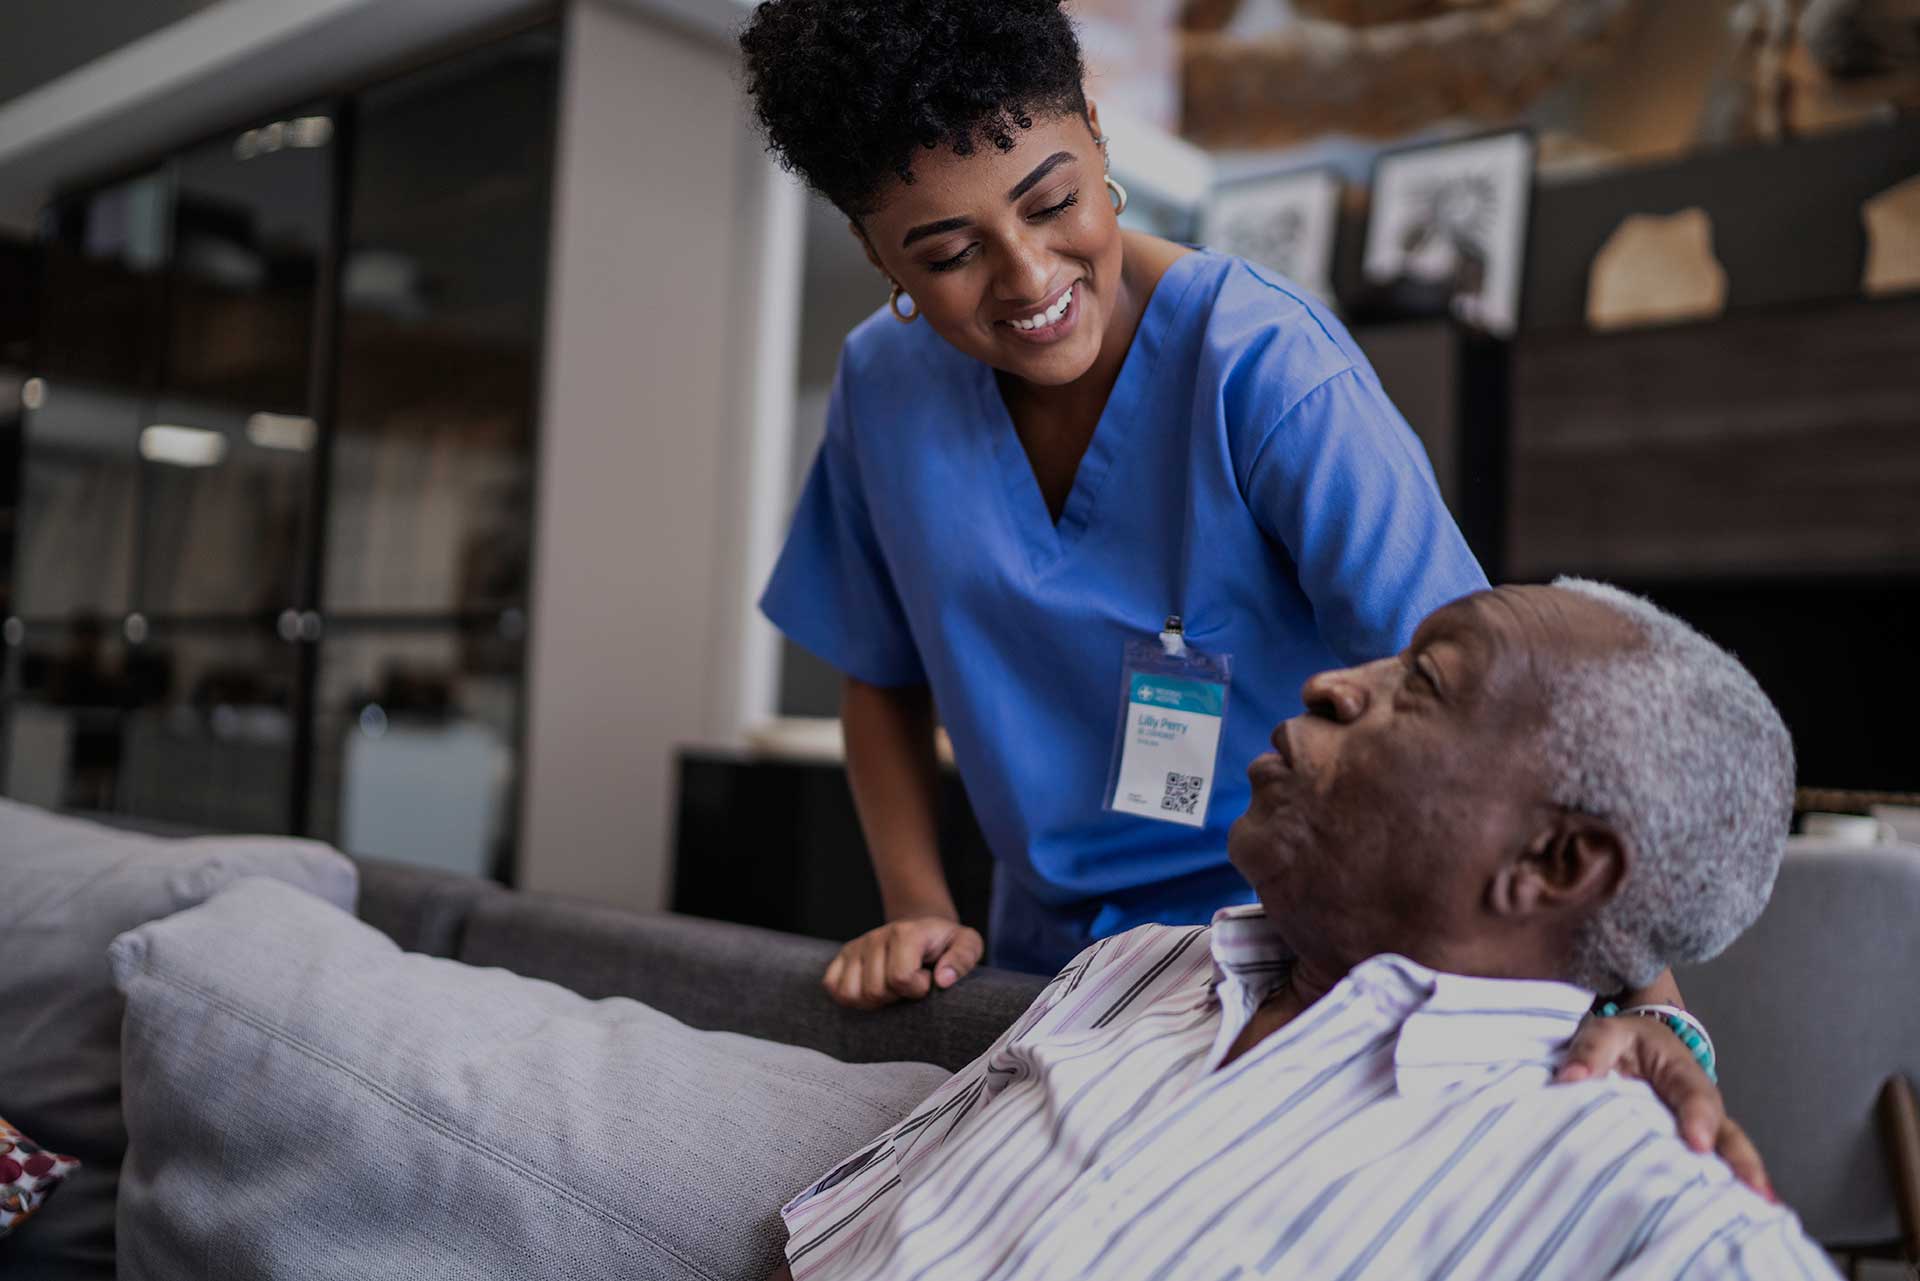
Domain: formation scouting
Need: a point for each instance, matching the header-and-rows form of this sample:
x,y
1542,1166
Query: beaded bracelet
x,y
1691,1031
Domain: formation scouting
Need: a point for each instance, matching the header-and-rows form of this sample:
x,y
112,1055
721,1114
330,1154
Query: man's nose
x,y
1337,695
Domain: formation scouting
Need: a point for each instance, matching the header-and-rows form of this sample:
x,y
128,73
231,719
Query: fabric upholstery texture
x,y
737,978
421,909
67,887
28,1176
1811,1010
304,1099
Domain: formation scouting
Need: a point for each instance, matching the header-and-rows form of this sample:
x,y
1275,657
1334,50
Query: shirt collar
x,y
1453,1029
1247,947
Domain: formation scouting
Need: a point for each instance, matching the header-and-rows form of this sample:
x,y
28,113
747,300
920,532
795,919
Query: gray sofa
x,y
359,1051
708,974
242,991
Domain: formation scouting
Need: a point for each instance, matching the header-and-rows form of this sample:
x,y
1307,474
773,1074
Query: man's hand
x,y
1647,1049
902,960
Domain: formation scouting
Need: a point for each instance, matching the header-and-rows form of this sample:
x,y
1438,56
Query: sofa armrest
x,y
736,978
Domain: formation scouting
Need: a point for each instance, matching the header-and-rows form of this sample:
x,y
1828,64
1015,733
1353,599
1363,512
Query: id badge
x,y
1173,701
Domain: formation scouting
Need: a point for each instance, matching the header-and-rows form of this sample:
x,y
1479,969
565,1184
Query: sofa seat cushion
x,y
67,887
305,1099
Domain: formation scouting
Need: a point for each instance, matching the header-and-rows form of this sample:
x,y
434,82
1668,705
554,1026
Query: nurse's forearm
x,y
894,774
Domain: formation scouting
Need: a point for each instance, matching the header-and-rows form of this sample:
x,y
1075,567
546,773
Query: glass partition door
x,y
428,528
271,562
166,483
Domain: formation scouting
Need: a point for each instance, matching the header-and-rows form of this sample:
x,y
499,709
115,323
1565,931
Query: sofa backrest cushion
x,y
304,1099
422,909
737,978
67,887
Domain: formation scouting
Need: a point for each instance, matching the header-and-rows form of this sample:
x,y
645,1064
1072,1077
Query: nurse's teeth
x,y
1041,320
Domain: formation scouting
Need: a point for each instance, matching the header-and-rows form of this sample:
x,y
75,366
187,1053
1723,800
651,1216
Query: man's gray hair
x,y
1674,743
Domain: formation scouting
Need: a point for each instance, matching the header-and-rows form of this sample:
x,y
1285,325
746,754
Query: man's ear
x,y
860,234
1572,862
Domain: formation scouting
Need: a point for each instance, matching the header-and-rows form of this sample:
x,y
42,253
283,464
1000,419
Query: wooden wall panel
x,y
1779,442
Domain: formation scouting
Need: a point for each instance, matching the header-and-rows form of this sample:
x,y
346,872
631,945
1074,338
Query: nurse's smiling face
x,y
1012,256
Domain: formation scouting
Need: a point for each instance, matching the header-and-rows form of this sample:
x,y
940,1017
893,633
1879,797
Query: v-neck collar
x,y
1046,540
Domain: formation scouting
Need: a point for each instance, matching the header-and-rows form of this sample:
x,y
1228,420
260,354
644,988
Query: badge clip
x,y
1173,703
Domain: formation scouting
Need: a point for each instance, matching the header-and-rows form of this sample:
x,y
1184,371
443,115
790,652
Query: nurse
x,y
1053,437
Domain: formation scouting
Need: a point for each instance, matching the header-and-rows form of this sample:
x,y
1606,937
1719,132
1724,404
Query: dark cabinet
x,y
1758,475
776,843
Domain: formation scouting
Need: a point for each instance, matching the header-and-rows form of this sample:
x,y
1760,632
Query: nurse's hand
x,y
902,960
1645,1049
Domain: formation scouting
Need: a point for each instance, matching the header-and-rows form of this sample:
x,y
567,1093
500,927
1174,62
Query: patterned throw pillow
x,y
28,1176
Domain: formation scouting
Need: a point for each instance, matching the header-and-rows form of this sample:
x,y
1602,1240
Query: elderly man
x,y
1554,792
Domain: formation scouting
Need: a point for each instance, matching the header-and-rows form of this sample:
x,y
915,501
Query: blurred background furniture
x,y
431,795
268,568
774,841
1815,1014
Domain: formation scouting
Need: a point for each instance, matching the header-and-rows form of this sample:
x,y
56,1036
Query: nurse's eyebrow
x,y
926,229
1020,189
1040,171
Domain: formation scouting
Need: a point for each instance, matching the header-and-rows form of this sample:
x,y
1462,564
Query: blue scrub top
x,y
1248,474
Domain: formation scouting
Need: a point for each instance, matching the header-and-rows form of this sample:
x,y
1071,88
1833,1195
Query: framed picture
x,y
1286,222
1448,228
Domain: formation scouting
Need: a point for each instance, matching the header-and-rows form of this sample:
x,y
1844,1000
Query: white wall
x,y
664,437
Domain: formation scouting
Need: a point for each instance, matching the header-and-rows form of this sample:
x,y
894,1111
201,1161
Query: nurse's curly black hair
x,y
849,91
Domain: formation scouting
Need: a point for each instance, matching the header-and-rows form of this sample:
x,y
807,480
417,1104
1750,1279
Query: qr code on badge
x,y
1183,794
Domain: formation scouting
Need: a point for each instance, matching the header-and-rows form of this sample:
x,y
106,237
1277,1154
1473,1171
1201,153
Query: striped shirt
x,y
1402,1126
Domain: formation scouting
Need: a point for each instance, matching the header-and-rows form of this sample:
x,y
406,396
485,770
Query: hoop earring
x,y
1118,194
904,317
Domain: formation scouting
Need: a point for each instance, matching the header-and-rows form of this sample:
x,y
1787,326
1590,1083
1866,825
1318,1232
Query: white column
x,y
752,517
667,393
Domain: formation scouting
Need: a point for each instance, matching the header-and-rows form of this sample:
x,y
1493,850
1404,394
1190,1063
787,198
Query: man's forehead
x,y
1530,625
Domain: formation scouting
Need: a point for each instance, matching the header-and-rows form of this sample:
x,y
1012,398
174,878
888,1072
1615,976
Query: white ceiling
x,y
204,71
45,41
226,60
